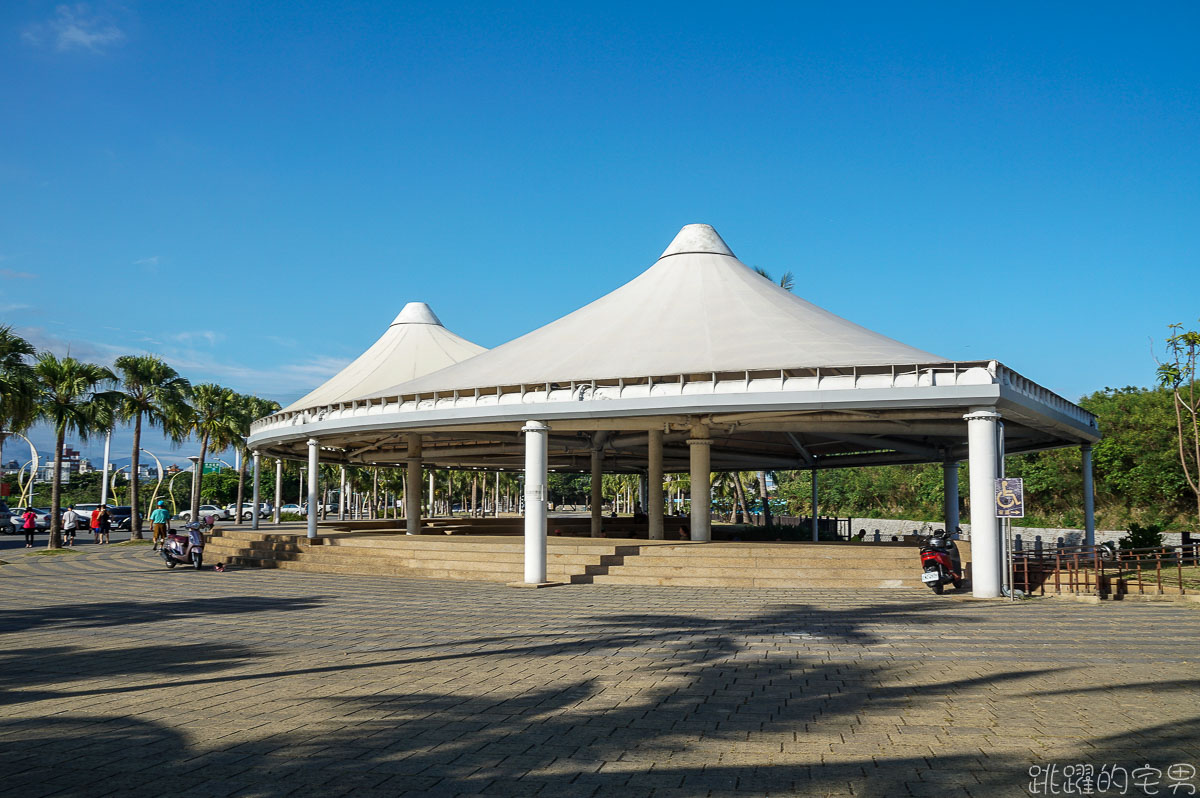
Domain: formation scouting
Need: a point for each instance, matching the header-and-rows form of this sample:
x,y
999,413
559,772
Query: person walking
x,y
105,524
94,525
70,522
29,527
158,520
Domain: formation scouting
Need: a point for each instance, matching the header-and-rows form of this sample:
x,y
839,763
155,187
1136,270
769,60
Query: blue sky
x,y
253,190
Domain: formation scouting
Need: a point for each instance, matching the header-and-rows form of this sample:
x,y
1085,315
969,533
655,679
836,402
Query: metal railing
x,y
1108,571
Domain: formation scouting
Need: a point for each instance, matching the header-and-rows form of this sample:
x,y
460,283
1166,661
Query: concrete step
x,y
696,581
576,559
637,568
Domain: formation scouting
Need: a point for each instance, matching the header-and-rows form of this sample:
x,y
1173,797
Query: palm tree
x,y
787,282
764,497
17,389
155,392
216,419
251,408
70,398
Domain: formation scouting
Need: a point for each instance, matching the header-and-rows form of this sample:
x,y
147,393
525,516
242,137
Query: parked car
x,y
248,510
121,518
5,514
42,521
294,509
206,510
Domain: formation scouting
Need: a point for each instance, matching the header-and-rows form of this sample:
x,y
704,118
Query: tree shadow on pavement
x,y
44,673
119,613
793,700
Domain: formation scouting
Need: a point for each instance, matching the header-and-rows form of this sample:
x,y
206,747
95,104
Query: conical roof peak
x,y
417,313
697,239
415,344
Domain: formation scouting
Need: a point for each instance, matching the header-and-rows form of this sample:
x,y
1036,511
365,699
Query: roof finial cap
x,y
417,313
697,238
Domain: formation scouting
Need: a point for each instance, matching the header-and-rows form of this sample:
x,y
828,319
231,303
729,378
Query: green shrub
x,y
1142,537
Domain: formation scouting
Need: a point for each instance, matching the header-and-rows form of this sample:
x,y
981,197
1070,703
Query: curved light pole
x,y
26,485
33,458
159,465
113,480
171,492
197,481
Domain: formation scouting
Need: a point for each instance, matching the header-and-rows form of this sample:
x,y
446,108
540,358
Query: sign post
x,y
1010,503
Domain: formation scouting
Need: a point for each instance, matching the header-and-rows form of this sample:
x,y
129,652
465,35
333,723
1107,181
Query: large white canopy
x,y
415,344
698,338
698,309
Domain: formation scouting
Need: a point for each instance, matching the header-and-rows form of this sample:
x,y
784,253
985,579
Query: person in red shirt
x,y
29,527
95,525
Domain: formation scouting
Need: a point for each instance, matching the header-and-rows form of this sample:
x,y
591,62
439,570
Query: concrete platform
x,y
572,560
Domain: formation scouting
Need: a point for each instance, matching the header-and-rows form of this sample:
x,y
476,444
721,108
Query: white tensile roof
x,y
698,309
415,344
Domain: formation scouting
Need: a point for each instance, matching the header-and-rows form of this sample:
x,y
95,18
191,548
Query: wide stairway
x,y
578,560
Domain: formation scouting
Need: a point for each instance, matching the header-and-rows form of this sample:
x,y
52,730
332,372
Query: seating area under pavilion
x,y
735,373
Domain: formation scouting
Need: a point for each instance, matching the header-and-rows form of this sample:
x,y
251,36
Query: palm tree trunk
x,y
199,478
762,494
740,493
56,492
135,517
241,492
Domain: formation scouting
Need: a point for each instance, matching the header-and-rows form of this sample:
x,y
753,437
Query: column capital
x,y
535,426
699,442
313,442
982,414
1085,447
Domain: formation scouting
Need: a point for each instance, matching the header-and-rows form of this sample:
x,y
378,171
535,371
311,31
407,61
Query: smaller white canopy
x,y
415,344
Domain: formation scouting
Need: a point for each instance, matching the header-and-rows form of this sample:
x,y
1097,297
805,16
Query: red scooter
x,y
187,548
940,563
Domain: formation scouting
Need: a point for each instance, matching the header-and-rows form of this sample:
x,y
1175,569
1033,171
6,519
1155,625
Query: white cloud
x,y
75,27
150,263
283,383
9,274
13,308
192,336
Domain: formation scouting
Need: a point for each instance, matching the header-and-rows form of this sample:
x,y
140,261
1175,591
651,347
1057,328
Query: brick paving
x,y
120,677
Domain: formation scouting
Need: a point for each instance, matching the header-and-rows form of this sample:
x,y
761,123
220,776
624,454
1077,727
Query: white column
x,y
496,498
278,487
597,497
950,495
816,525
341,493
104,482
536,462
654,492
412,486
983,458
1089,498
257,500
432,512
700,456
314,468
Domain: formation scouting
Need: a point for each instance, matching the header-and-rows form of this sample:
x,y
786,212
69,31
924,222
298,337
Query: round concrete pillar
x,y
536,462
700,456
983,453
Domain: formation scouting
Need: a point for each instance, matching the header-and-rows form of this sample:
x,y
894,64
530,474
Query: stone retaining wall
x,y
1070,537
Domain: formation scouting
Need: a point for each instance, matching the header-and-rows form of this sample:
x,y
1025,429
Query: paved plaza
x,y
123,678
